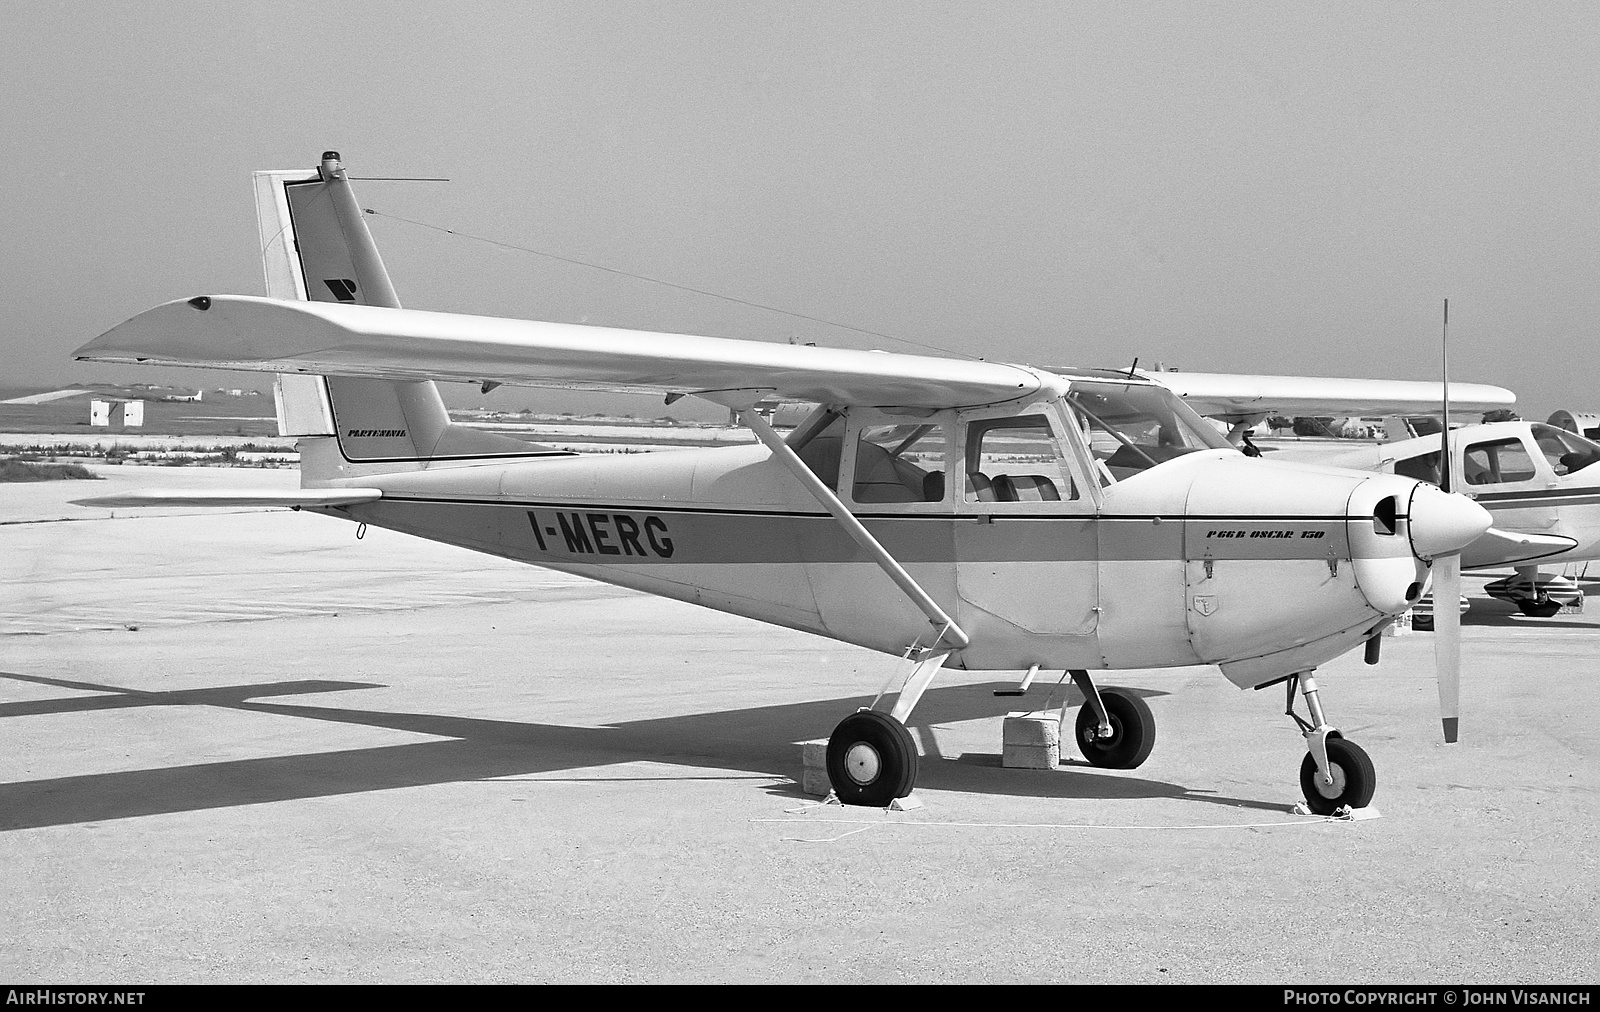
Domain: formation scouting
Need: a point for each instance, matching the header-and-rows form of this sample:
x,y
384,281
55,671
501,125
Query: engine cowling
x,y
1286,566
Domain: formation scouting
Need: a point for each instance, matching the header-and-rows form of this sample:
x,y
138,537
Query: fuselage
x,y
1209,557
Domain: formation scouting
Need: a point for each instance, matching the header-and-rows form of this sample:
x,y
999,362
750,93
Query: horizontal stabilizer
x,y
238,332
239,497
1496,547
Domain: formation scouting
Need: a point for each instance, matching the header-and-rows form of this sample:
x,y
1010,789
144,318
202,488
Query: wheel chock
x,y
1344,813
814,768
1031,741
814,778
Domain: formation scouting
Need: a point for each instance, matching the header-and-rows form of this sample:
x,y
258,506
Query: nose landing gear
x,y
1335,773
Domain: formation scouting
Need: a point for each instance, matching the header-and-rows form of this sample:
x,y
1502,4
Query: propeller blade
x,y
1447,572
1447,641
1445,481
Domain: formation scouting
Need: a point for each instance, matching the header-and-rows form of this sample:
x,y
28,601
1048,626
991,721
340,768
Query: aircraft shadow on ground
x,y
755,740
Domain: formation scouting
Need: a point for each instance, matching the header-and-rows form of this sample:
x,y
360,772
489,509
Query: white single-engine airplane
x,y
1525,473
957,513
1536,480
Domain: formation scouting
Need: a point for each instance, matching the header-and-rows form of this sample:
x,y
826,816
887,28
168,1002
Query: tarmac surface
x,y
245,746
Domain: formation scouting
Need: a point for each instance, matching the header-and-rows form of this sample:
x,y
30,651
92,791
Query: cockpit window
x,y
900,463
817,441
1496,462
1423,467
1133,427
1566,452
1015,460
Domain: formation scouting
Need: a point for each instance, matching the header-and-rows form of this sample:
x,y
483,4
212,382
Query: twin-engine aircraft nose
x,y
1444,522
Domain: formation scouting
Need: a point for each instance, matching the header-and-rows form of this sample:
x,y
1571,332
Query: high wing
x,y
238,332
1238,397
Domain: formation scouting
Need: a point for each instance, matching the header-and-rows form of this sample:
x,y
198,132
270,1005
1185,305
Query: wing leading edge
x,y
237,332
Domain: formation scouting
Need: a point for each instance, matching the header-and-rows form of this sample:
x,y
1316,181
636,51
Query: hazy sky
x,y
1225,187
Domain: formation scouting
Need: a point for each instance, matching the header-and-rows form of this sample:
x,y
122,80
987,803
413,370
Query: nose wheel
x,y
1335,773
1354,779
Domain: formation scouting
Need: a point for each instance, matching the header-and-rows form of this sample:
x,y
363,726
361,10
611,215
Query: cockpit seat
x,y
822,456
879,480
978,484
1577,460
1025,488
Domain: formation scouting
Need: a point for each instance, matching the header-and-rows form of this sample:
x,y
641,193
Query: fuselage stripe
x,y
967,514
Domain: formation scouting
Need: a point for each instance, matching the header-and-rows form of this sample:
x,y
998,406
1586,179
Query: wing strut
x,y
949,635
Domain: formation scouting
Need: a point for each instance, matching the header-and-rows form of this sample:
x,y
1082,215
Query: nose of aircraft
x,y
1444,522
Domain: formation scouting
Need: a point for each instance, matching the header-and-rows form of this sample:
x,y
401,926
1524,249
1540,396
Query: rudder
x,y
315,246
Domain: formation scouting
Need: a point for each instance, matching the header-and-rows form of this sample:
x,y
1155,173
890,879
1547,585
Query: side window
x,y
817,445
1423,467
1015,460
900,463
1503,460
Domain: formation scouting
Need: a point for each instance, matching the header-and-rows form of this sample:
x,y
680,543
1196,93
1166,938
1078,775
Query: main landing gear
x,y
1115,729
872,758
1336,773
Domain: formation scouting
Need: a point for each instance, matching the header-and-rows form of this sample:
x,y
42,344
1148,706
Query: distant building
x,y
128,414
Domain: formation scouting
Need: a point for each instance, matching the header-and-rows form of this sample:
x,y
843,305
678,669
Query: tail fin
x,y
315,246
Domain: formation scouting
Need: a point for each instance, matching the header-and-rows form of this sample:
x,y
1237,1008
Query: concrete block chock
x,y
1031,740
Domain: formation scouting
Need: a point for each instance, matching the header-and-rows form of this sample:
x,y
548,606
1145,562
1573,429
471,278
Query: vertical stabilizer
x,y
315,246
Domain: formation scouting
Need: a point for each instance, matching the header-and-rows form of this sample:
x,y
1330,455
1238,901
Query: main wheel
x,y
872,759
1354,779
1541,607
1133,732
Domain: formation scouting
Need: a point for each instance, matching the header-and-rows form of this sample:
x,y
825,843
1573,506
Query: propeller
x,y
1447,575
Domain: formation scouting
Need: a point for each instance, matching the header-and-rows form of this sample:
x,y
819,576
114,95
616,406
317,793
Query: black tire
x,y
1543,608
1422,623
1354,779
872,759
1133,732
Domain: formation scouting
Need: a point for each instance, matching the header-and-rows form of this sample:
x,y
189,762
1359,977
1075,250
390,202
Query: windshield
x,y
1566,452
1133,427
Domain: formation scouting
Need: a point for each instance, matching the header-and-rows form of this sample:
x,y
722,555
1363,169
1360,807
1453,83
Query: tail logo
x,y
343,289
